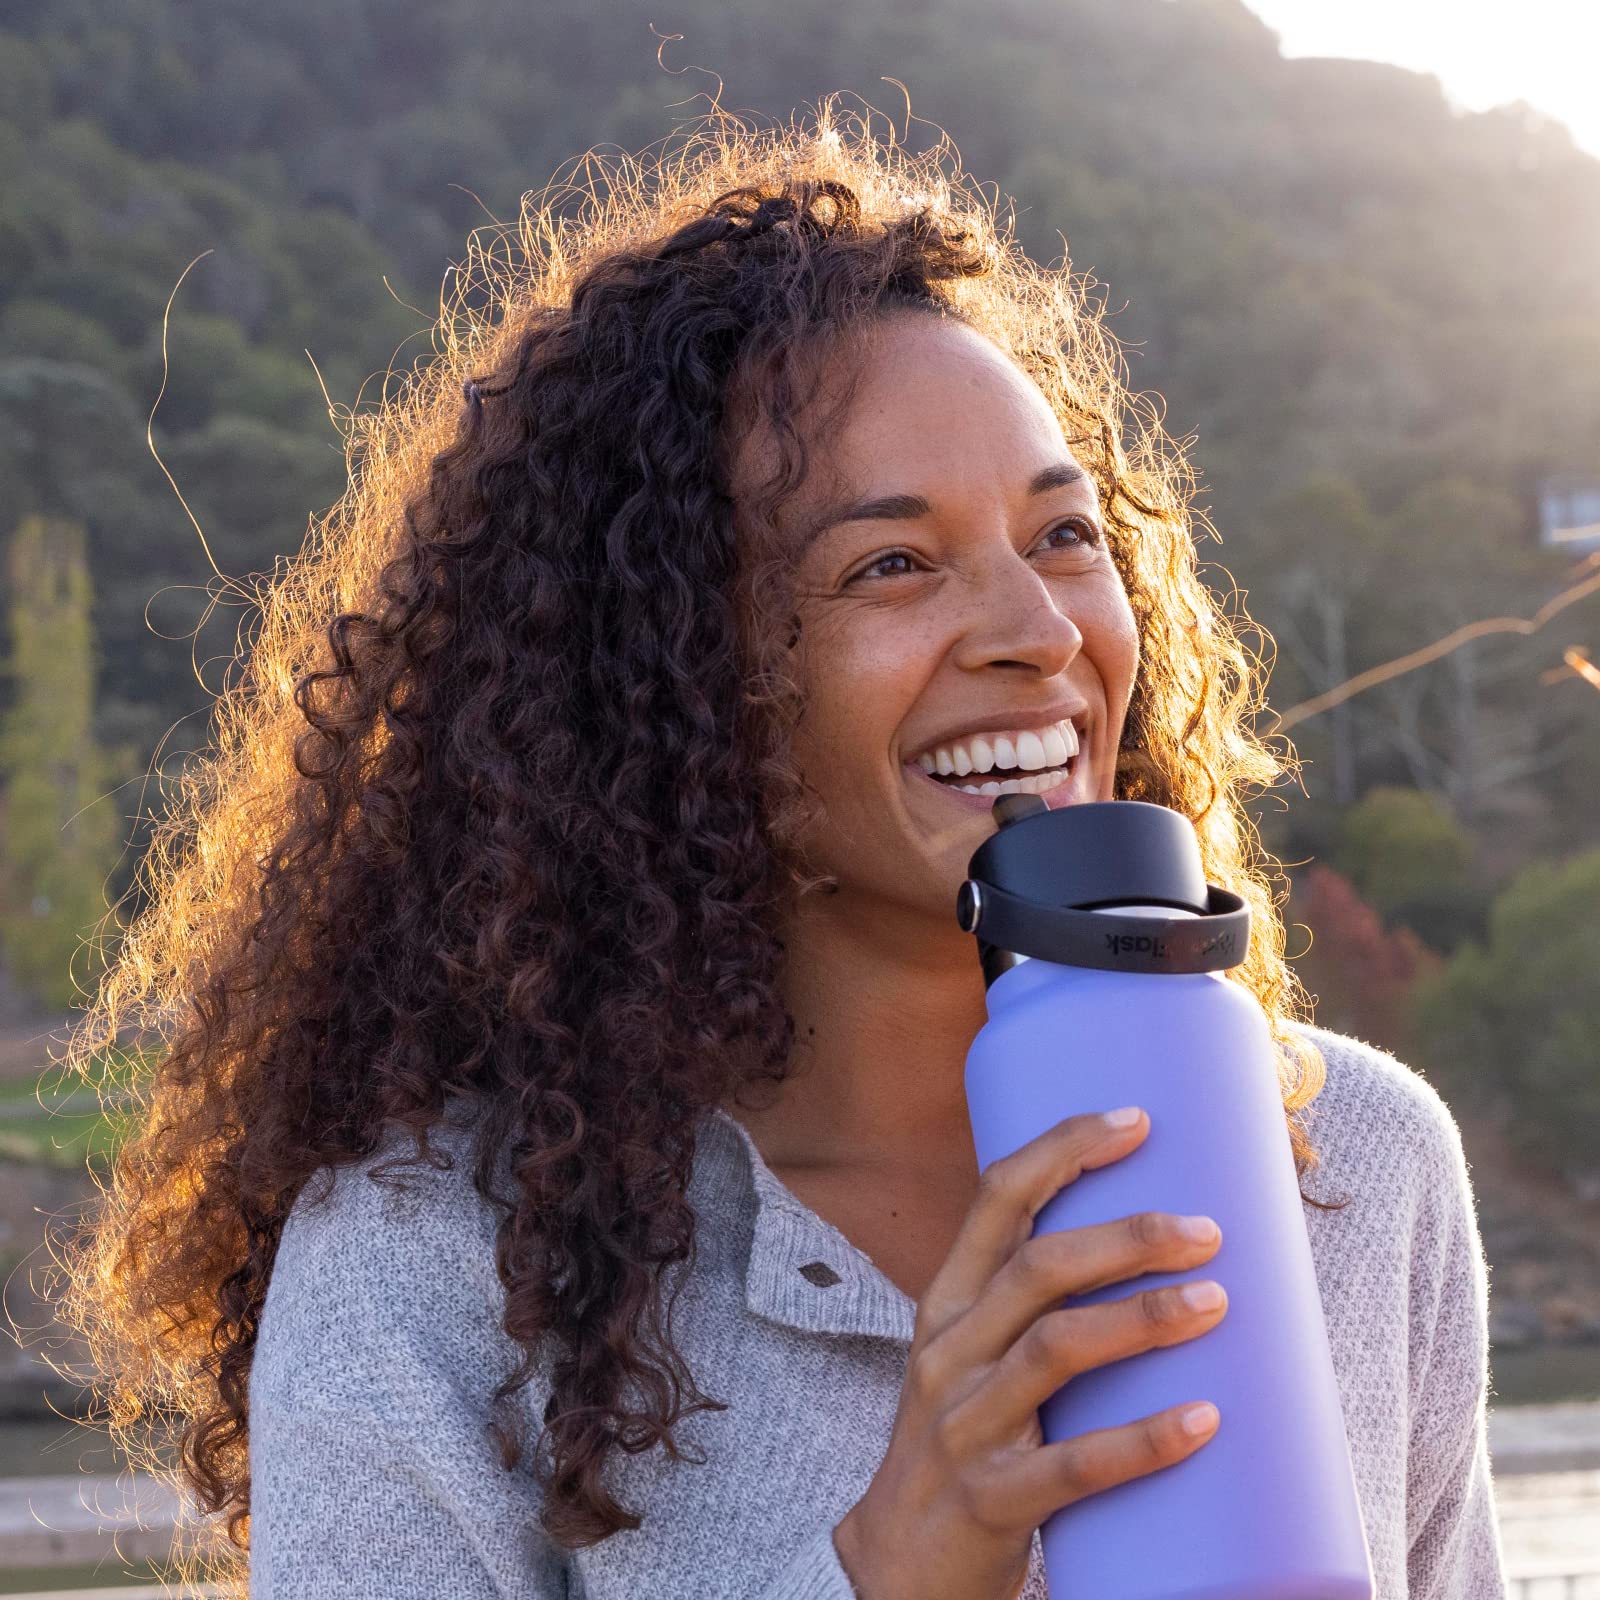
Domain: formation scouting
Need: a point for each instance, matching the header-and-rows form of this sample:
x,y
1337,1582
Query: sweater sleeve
x,y
1452,1531
373,1475
345,1507
349,1512
813,1572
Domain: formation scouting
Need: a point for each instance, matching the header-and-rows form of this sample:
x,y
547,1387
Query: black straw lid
x,y
1034,888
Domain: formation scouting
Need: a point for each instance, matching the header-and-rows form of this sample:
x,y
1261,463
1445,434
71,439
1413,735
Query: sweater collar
x,y
801,1271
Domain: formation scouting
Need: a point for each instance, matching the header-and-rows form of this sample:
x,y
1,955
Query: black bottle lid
x,y
1034,889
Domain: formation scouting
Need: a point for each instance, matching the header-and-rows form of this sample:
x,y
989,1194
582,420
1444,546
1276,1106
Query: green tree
x,y
1408,856
1292,249
60,834
1466,724
1513,1023
1322,560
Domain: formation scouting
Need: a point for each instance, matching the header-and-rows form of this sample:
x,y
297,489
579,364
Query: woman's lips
x,y
1064,794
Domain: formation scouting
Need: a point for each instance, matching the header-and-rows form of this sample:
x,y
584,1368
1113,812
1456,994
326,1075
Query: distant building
x,y
1569,515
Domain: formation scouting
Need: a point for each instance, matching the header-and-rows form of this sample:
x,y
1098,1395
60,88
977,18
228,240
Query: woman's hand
x,y
967,1478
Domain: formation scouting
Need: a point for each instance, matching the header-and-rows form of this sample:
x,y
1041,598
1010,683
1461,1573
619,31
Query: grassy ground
x,y
1543,1374
59,1119
107,1574
50,1447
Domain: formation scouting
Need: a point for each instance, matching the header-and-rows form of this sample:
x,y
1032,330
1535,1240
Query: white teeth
x,y
1026,750
1056,753
1030,752
1034,783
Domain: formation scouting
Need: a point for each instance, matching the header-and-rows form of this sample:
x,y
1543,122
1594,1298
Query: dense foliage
x,y
1380,318
1514,1018
1327,273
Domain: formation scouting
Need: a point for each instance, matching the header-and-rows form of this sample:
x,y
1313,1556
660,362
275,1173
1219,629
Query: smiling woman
x,y
582,849
998,620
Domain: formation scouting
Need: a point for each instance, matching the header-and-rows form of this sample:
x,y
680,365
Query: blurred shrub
x,y
60,827
1445,915
1361,973
1400,846
1513,1021
38,327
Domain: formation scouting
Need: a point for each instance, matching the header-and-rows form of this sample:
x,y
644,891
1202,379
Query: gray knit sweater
x,y
373,1477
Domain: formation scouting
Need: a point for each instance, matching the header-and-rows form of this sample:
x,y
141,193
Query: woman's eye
x,y
1091,532
873,565
1090,537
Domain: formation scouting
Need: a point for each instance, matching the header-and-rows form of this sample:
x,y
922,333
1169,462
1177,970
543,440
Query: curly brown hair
x,y
502,807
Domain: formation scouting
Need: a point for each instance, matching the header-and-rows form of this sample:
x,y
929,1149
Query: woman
x,y
556,1177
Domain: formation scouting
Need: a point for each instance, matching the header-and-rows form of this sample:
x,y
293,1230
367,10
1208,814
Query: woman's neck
x,y
885,1009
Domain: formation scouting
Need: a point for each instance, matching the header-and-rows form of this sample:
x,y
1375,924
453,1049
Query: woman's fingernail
x,y
1123,1117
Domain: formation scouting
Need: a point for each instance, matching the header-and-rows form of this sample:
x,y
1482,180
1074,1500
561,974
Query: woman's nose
x,y
1013,618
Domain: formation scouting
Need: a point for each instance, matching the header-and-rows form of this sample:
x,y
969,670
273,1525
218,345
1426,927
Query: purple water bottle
x,y
1103,948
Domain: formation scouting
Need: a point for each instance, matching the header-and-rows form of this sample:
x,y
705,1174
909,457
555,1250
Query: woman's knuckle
x,y
982,1501
1149,1229
1032,1260
1076,1474
995,1181
1061,1335
1160,1308
949,1436
1032,1350
925,1376
1155,1438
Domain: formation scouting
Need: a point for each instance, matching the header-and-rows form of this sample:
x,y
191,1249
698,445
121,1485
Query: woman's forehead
x,y
917,399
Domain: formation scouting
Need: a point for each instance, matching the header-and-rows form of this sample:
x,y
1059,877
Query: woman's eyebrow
x,y
904,507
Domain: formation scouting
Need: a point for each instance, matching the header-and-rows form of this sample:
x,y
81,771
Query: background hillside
x,y
1380,321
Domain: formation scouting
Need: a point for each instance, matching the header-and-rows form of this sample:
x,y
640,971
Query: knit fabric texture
x,y
374,1478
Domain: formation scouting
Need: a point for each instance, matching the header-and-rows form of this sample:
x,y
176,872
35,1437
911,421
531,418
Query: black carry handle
x,y
1076,937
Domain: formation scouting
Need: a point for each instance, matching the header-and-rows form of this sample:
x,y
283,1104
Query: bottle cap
x,y
1047,883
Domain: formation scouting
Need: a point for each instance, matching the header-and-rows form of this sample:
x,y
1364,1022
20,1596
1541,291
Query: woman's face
x,y
975,603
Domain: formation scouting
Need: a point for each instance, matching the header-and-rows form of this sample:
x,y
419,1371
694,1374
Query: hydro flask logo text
x,y
1159,949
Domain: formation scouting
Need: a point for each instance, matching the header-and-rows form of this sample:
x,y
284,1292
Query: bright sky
x,y
1546,52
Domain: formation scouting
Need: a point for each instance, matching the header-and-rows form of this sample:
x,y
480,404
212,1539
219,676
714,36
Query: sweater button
x,y
820,1273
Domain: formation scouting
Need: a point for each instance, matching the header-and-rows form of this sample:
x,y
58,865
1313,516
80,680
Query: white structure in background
x,y
1569,515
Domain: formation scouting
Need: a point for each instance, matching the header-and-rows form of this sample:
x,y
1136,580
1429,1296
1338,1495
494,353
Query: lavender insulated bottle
x,y
1104,948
